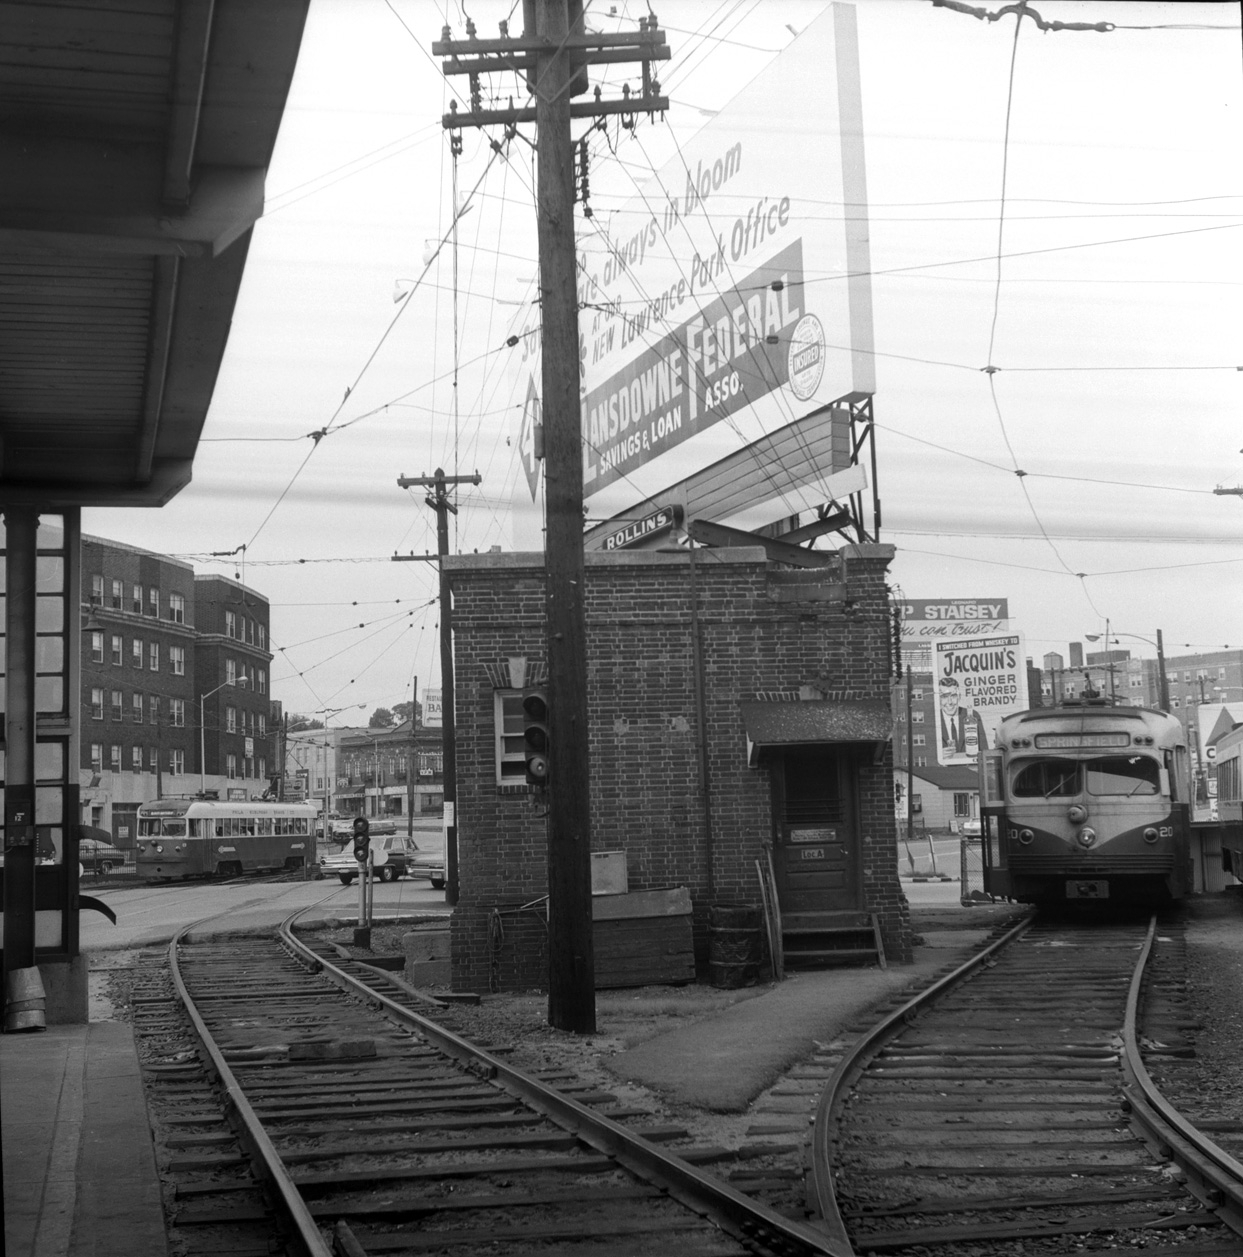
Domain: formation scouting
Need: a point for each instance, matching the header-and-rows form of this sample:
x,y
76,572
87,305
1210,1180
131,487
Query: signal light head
x,y
535,739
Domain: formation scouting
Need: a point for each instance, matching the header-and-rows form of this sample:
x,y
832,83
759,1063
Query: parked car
x,y
392,856
97,856
970,829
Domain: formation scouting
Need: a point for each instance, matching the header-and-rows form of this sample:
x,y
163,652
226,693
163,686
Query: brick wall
x,y
763,630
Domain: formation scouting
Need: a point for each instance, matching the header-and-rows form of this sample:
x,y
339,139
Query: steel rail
x,y
852,1064
252,1133
735,1213
1218,1175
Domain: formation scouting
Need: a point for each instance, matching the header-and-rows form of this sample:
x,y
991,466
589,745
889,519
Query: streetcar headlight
x,y
1150,834
1087,836
1077,813
158,847
1026,836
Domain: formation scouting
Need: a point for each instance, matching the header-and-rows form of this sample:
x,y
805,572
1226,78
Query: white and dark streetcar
x,y
1228,752
180,838
1087,802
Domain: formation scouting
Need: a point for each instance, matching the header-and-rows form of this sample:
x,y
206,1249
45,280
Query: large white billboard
x,y
925,621
978,681
731,296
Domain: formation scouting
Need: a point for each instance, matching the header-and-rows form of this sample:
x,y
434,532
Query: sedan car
x,y
97,856
392,856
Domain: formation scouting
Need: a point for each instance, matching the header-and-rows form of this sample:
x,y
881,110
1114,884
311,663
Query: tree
x,y
401,711
299,723
381,718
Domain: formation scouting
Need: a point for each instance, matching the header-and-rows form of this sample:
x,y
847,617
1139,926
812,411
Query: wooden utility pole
x,y
439,502
555,58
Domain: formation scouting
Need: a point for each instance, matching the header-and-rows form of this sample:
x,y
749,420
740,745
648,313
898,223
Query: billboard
x,y
432,713
928,620
731,296
978,681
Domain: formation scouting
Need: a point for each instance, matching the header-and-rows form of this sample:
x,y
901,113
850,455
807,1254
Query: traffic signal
x,y
535,736
362,838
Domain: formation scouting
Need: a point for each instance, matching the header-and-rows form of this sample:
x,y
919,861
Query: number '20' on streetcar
x,y
1087,802
217,838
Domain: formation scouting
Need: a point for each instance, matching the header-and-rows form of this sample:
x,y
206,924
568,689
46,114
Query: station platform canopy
x,y
135,140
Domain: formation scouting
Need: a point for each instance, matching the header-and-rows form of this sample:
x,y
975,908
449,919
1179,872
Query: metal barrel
x,y
734,945
25,1003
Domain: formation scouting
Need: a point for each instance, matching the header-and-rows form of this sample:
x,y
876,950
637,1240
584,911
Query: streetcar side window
x,y
1046,779
1129,775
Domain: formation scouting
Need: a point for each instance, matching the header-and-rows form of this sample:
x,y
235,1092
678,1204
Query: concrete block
x,y
66,992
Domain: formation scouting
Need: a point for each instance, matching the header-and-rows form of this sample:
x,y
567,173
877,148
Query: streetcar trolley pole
x,y
362,853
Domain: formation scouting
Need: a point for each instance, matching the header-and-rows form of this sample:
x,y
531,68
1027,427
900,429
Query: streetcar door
x,y
816,852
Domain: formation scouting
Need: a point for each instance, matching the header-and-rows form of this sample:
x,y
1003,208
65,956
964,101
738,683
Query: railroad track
x,y
1013,1111
306,1104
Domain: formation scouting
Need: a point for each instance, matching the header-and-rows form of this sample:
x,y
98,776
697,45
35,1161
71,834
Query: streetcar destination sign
x,y
1055,741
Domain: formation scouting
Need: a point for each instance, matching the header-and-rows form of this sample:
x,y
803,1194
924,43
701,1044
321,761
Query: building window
x,y
97,704
153,760
511,766
97,756
115,752
177,712
117,707
153,603
153,652
118,595
262,768
177,608
230,624
97,648
136,759
177,660
917,717
1174,703
261,679
261,723
962,803
97,591
118,655
230,765
153,709
136,601
230,671
136,707
263,638
918,739
917,696
921,761
250,631
136,652
230,720
176,761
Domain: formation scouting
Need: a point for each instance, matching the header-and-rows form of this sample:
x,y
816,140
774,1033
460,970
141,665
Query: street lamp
x,y
202,729
1163,681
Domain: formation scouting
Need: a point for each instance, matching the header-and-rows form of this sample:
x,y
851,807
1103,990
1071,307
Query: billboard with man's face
x,y
978,681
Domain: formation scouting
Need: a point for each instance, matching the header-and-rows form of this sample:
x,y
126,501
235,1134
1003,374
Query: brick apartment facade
x,y
818,642
155,639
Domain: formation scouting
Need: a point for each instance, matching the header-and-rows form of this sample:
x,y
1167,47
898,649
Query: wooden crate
x,y
643,938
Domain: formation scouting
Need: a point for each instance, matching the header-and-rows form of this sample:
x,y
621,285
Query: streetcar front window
x,y
1046,779
1129,775
175,829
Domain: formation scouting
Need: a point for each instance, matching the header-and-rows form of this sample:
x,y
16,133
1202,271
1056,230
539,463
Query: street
x,y
149,915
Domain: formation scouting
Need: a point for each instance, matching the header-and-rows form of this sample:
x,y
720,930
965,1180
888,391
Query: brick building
x,y
157,662
792,672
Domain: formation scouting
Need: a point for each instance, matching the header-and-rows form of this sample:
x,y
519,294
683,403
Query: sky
x,y
1063,206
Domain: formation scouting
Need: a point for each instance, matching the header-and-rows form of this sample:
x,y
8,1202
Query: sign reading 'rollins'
x,y
733,351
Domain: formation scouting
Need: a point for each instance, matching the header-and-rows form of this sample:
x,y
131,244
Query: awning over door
x,y
773,726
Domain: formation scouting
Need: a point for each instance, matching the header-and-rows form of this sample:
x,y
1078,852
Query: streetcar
x,y
1087,801
179,838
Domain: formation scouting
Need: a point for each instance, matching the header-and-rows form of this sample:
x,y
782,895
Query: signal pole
x,y
555,58
439,502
